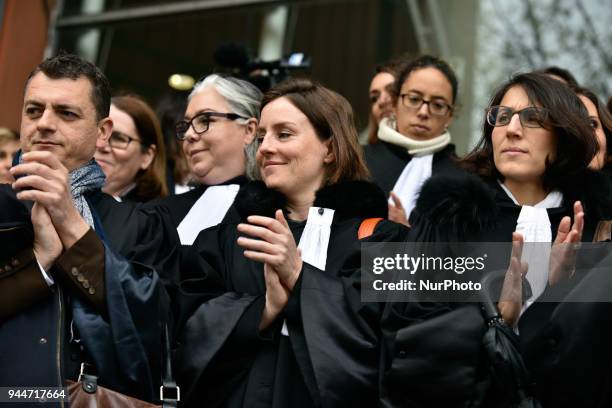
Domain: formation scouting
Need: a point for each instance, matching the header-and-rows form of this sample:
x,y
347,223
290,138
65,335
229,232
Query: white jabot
x,y
314,241
418,169
207,211
534,225
315,237
387,132
409,183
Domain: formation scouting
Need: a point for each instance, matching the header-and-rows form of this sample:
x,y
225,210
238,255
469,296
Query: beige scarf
x,y
387,132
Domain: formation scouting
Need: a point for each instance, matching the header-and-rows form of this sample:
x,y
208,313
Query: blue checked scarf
x,y
84,179
88,177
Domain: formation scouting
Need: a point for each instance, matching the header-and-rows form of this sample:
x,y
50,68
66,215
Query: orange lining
x,y
367,227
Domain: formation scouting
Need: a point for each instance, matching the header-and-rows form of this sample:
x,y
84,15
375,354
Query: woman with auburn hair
x,y
134,158
286,326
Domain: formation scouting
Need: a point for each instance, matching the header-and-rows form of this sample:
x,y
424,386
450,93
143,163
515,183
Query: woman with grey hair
x,y
220,123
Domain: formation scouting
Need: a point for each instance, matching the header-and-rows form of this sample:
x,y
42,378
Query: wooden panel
x,y
22,42
144,54
347,39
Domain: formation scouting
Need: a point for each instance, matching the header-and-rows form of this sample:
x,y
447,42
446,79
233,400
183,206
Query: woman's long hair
x,y
150,183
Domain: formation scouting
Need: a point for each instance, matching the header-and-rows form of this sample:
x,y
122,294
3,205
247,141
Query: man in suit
x,y
71,299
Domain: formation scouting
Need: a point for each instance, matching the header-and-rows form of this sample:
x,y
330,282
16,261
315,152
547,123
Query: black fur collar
x,y
360,199
453,207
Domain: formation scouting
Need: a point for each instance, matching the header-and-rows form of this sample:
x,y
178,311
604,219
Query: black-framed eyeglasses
x,y
435,106
201,122
120,140
530,117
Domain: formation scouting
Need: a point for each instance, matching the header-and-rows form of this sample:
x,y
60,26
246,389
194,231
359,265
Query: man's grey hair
x,y
244,99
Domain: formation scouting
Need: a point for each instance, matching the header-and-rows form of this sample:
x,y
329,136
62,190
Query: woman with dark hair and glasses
x,y
415,143
535,186
133,159
286,327
536,150
219,124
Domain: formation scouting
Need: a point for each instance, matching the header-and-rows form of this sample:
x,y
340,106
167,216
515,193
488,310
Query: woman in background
x,y
415,143
381,96
170,109
601,123
9,145
133,159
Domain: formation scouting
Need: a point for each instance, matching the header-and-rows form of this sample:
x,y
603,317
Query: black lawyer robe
x,y
141,234
386,162
177,206
565,345
330,357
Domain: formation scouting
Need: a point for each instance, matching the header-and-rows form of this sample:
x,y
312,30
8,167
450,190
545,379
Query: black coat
x,y
439,346
152,237
386,162
129,228
331,355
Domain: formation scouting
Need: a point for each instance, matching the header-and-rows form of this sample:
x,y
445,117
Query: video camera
x,y
235,60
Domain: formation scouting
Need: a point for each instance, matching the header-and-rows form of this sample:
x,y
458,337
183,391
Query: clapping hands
x,y
561,266
272,243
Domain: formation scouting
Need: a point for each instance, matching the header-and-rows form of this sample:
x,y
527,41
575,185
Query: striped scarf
x,y
88,177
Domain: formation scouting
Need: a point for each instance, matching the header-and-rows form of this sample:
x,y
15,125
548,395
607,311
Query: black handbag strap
x,y
169,391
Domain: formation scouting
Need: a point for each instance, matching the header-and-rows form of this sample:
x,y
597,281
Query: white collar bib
x,y
533,224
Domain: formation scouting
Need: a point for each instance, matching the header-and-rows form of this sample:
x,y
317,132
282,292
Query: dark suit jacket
x,y
115,307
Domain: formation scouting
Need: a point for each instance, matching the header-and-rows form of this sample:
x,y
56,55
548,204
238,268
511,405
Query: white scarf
x,y
534,225
387,132
207,211
315,241
418,170
409,183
